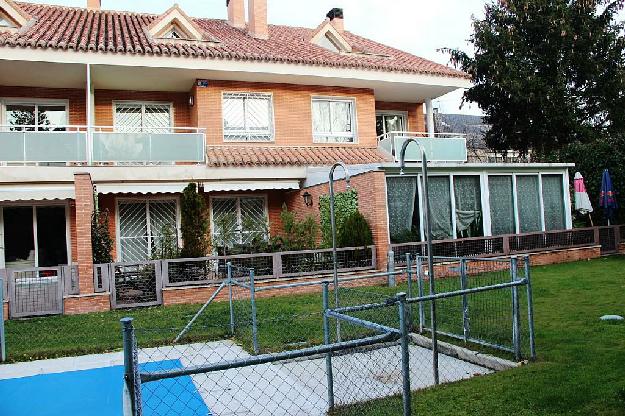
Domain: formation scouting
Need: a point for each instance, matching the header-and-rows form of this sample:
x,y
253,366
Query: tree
x,y
547,73
194,224
101,241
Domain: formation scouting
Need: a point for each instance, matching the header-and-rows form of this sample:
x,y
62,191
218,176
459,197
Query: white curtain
x,y
401,194
553,199
468,206
501,205
440,207
528,200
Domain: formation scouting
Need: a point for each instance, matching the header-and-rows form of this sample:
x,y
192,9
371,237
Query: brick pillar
x,y
371,189
84,210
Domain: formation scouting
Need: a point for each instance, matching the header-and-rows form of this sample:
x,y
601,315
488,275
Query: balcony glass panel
x,y
29,146
436,149
148,147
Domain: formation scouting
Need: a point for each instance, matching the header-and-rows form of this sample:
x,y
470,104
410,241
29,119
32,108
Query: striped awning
x,y
27,192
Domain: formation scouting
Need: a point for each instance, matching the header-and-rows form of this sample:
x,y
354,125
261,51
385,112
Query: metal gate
x,y
136,284
35,291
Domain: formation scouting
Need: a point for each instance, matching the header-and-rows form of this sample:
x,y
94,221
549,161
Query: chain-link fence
x,y
255,358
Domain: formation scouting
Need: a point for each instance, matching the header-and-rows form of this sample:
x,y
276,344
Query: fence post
x,y
516,316
433,325
277,265
326,340
3,347
390,268
617,236
409,284
506,245
254,322
229,280
420,292
405,353
132,383
530,308
465,299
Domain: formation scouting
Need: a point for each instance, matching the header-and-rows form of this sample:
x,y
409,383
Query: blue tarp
x,y
98,392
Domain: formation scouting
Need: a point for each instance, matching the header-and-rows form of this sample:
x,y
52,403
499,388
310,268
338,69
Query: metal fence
x,y
608,237
251,356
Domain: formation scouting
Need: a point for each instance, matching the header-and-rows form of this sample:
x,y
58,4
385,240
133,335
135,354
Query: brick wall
x,y
83,211
76,99
371,188
292,110
416,119
74,305
104,104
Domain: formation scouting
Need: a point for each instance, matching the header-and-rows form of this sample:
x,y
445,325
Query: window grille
x,y
139,117
248,117
333,120
141,224
238,220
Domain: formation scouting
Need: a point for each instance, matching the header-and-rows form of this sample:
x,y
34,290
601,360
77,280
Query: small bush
x,y
101,241
354,232
345,204
298,234
194,224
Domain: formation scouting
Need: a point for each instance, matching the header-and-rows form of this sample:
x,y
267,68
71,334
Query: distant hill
x,y
472,126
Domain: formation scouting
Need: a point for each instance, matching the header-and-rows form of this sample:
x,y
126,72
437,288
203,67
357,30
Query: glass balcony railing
x,y
148,145
100,145
33,144
440,148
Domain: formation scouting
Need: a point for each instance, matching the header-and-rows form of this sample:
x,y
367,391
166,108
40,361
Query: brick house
x,y
136,106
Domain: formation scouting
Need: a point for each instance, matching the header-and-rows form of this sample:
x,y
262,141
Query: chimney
x,y
336,19
94,4
257,25
236,13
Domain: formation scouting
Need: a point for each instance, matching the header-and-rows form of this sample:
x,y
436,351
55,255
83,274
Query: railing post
x,y
165,272
131,370
516,316
506,245
405,353
254,322
229,280
465,299
390,268
617,237
3,347
433,324
277,265
420,290
530,308
326,341
597,236
374,260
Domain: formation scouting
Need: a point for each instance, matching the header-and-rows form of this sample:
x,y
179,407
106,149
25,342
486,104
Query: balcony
x,y
440,148
100,145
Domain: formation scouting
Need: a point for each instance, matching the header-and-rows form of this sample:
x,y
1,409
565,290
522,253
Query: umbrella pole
x,y
590,217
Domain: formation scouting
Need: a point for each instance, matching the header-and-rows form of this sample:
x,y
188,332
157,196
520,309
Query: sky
x,y
420,27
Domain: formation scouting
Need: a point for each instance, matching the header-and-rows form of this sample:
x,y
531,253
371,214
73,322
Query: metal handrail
x,y
421,134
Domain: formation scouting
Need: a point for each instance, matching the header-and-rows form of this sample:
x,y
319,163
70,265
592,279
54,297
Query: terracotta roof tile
x,y
222,156
66,28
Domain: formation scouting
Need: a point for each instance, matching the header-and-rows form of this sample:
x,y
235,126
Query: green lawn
x,y
580,368
581,361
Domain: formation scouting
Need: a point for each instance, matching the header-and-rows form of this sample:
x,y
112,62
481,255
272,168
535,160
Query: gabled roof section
x,y
105,31
175,25
12,17
331,39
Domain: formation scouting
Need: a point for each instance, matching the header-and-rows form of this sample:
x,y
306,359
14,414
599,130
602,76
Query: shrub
x,y
298,234
345,204
194,224
166,245
101,241
354,232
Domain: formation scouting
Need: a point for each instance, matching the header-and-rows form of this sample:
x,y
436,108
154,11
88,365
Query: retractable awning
x,y
29,192
226,186
141,188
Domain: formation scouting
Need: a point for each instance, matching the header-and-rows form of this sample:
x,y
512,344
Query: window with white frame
x,y
239,220
248,117
140,117
553,201
468,204
387,122
333,120
142,224
35,115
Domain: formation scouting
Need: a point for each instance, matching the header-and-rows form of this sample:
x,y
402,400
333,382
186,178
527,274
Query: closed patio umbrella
x,y
582,201
607,199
